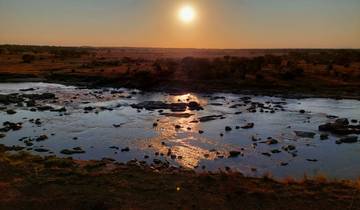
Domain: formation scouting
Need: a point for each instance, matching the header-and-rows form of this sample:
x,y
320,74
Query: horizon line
x,y
183,48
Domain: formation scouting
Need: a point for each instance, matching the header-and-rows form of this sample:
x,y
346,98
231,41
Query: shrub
x,y
259,77
28,58
144,78
329,67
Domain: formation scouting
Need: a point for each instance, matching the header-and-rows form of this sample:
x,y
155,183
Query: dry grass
x,y
67,184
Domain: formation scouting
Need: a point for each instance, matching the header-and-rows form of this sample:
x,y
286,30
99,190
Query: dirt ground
x,y
31,182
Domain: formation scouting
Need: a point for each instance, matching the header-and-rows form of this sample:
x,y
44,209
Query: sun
x,y
187,14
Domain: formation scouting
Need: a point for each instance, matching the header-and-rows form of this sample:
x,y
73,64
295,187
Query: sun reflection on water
x,y
180,136
185,98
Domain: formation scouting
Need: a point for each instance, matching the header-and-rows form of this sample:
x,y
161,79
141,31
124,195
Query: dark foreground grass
x,y
32,182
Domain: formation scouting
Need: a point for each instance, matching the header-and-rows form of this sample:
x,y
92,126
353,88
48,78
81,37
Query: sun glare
x,y
187,14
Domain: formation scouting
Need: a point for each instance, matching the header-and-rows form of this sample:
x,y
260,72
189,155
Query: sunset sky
x,y
156,23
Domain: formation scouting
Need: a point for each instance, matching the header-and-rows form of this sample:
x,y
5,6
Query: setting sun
x,y
187,14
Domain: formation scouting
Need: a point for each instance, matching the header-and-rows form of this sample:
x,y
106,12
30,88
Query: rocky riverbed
x,y
254,135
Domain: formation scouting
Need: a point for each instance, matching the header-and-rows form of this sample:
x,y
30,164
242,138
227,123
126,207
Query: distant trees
x,y
226,67
64,53
28,58
273,60
292,73
164,67
329,67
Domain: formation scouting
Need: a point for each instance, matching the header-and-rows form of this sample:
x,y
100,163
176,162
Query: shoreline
x,y
72,184
179,89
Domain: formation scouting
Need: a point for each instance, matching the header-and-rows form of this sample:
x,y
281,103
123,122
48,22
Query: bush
x,y
292,74
28,58
144,78
329,67
259,77
164,67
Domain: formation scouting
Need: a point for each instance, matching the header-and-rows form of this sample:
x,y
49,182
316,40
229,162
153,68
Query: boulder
x,y
233,154
179,115
41,138
10,111
210,118
275,151
289,147
305,134
11,126
347,139
43,96
342,121
126,149
76,150
175,107
41,150
341,126
248,126
14,148
44,108
271,141
193,105
324,136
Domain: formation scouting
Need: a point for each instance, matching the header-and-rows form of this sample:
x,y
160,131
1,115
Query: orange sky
x,y
155,23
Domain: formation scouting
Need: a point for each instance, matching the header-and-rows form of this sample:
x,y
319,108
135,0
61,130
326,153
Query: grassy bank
x,y
32,182
294,73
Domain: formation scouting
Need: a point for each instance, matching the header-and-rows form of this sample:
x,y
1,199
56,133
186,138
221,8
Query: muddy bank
x,y
33,182
288,90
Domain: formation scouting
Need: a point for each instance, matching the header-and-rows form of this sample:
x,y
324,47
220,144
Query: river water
x,y
96,134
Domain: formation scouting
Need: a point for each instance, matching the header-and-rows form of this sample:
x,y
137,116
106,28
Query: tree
x,y
28,58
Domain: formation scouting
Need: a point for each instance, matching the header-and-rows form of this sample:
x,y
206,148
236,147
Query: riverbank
x,y
287,73
32,182
181,87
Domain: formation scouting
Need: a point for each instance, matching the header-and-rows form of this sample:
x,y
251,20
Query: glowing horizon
x,y
209,24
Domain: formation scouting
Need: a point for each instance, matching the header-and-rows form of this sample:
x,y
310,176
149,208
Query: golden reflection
x,y
186,98
191,155
180,136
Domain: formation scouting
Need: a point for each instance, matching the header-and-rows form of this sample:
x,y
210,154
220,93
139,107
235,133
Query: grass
x,y
32,182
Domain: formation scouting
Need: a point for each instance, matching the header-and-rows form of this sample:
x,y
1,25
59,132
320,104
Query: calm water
x,y
95,132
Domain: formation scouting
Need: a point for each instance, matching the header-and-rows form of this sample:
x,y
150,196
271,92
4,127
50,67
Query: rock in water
x,y
193,105
305,134
233,154
342,121
324,136
10,111
271,141
76,150
247,126
348,139
42,138
210,118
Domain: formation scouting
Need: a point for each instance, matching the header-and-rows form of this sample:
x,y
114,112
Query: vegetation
x,y
32,182
28,58
330,73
